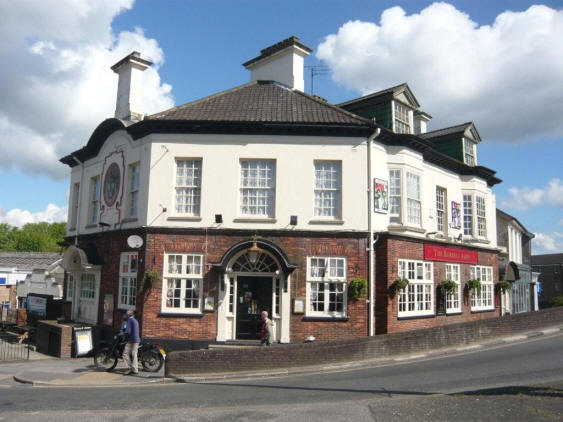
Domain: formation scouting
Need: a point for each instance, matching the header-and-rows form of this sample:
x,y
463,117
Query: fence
x,y
13,346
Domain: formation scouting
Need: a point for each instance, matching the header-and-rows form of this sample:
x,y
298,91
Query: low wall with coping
x,y
186,363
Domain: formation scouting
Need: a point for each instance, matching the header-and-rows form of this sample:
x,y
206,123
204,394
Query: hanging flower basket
x,y
502,286
447,286
475,284
357,288
149,278
399,284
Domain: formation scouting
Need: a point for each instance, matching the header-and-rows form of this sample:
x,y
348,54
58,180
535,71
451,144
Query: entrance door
x,y
254,295
87,306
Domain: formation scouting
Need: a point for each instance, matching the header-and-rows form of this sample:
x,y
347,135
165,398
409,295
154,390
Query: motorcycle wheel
x,y
104,359
152,361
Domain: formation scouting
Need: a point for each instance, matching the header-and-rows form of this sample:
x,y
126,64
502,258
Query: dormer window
x,y
402,118
469,152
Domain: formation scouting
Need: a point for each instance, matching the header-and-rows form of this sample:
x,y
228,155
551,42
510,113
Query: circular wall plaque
x,y
112,182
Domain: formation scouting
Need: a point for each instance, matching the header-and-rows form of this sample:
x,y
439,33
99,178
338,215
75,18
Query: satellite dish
x,y
134,241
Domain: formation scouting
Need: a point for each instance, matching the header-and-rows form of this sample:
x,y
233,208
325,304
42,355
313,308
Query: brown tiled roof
x,y
262,102
28,260
268,51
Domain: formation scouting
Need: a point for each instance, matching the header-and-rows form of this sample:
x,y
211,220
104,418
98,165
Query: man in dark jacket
x,y
132,346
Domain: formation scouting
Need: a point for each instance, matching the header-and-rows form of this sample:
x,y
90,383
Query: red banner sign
x,y
439,253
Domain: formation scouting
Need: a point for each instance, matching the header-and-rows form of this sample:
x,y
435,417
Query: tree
x,y
32,237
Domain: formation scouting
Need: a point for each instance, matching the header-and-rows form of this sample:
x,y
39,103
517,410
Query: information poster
x,y
83,338
37,305
380,196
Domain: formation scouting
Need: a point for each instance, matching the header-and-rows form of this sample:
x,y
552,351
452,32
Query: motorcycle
x,y
150,355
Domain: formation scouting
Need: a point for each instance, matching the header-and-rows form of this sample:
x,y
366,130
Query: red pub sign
x,y
439,253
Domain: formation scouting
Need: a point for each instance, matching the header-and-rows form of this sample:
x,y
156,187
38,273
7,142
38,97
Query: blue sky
x,y
504,73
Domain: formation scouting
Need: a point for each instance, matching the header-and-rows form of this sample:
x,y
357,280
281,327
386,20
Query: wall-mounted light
x,y
293,220
460,237
218,218
254,251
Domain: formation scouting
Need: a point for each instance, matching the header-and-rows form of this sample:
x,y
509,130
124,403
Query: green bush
x,y
475,284
558,301
357,288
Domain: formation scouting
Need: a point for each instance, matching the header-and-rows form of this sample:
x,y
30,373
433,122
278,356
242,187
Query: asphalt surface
x,y
515,379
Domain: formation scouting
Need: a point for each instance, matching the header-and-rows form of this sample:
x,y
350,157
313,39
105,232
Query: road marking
x,y
473,347
410,357
551,331
514,338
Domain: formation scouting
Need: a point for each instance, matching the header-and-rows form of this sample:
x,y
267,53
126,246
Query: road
x,y
521,381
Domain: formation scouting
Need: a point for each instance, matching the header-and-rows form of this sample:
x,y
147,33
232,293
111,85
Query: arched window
x,y
264,263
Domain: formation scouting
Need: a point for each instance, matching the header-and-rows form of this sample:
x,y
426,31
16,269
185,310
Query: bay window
x,y
474,215
413,199
395,196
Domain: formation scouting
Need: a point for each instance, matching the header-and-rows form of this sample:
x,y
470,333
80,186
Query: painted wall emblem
x,y
112,182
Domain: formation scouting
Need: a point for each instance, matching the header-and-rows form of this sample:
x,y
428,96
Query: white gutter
x,y
80,187
371,265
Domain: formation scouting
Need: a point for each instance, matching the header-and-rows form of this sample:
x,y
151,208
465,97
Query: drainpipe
x,y
80,187
371,266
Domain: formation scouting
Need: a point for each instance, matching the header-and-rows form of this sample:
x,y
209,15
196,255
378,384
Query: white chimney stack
x,y
420,120
282,62
129,87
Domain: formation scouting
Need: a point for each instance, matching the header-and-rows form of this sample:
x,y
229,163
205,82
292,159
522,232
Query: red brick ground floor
x,y
211,285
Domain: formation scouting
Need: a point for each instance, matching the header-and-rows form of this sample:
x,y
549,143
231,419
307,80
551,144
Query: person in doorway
x,y
266,336
132,344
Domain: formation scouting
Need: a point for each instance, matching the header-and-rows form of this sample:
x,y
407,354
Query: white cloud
x,y
547,243
56,83
17,217
526,198
501,76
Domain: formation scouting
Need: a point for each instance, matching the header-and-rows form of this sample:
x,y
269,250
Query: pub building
x,y
201,216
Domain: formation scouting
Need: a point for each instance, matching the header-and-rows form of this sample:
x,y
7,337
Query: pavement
x,y
44,370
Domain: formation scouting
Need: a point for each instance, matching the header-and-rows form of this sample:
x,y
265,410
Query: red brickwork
x,y
213,246
388,252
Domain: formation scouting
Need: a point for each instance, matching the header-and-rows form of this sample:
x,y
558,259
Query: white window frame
x,y
453,299
187,268
94,208
395,199
441,210
401,118
328,190
257,192
475,214
74,206
417,299
469,156
484,300
328,273
134,176
414,200
187,186
128,270
70,284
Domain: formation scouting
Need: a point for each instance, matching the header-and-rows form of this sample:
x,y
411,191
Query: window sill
x,y
407,317
333,222
91,226
402,228
477,240
130,220
255,220
125,308
451,313
165,314
480,311
184,218
325,319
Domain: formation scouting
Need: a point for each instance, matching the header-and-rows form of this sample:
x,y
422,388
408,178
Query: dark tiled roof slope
x,y
262,101
28,260
446,131
547,259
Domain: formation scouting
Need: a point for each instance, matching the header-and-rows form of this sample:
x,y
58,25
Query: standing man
x,y
132,338
266,335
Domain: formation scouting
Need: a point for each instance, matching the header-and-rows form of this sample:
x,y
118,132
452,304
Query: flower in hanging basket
x,y
475,284
149,278
399,284
502,286
357,288
447,286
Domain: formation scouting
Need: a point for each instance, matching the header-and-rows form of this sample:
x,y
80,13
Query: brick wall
x,y
388,252
54,339
386,345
